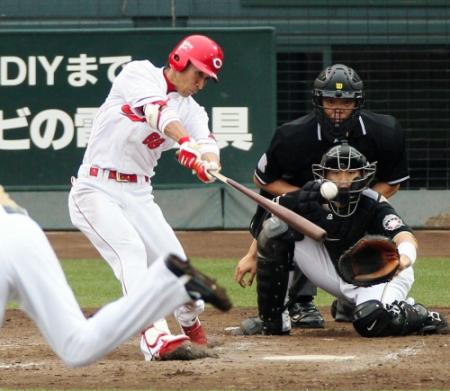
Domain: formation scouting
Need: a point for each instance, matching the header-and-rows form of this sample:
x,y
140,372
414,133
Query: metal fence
x,y
411,83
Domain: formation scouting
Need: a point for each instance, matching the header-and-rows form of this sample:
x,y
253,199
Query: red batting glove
x,y
202,167
189,152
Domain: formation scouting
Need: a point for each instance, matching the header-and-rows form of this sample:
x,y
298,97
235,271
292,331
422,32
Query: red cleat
x,y
178,349
196,333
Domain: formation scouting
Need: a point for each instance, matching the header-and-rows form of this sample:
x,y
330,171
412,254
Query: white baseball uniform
x,y
314,260
31,274
111,201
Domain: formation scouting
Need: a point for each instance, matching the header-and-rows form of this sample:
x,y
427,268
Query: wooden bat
x,y
294,220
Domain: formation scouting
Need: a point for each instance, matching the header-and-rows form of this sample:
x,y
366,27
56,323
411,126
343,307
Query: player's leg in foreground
x,y
38,283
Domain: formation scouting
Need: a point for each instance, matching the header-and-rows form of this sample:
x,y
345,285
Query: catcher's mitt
x,y
372,260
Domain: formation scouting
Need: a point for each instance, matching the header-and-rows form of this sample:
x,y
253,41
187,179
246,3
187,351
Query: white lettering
x,y
116,63
50,119
32,71
230,125
12,124
5,80
50,68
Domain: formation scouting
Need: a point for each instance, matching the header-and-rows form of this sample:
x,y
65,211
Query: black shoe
x,y
341,312
306,316
434,324
199,285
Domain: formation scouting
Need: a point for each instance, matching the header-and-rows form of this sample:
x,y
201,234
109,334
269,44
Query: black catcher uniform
x,y
381,309
298,144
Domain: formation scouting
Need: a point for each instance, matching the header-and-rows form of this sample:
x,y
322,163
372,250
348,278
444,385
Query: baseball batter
x,y
382,309
149,110
31,275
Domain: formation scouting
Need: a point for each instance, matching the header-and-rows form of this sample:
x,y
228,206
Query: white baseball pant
x,y
31,274
313,259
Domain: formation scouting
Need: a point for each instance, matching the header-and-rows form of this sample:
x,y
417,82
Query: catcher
x,y
374,273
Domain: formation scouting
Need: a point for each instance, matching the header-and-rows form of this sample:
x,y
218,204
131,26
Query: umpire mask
x,y
345,158
337,82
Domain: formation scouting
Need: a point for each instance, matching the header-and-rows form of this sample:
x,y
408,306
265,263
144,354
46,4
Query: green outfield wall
x,y
52,83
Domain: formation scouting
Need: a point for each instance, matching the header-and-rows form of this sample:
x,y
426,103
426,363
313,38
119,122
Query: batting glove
x,y
189,152
202,168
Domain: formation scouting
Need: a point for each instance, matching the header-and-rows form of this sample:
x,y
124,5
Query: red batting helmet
x,y
201,51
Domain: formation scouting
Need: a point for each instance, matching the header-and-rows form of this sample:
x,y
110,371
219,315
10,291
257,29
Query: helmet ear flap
x,y
177,62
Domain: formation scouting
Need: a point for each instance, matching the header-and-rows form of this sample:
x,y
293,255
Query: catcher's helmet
x,y
201,51
339,82
343,157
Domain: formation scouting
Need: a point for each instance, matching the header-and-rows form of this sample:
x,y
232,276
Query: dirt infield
x,y
333,358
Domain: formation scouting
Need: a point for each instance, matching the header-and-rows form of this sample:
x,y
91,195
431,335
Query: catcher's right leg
x,y
272,275
373,319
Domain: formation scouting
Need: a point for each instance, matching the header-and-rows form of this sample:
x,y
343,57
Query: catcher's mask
x,y
338,82
343,157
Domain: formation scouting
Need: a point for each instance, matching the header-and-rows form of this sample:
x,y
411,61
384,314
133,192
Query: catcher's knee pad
x,y
272,275
370,319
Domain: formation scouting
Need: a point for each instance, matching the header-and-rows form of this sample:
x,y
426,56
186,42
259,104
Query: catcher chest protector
x,y
272,275
373,319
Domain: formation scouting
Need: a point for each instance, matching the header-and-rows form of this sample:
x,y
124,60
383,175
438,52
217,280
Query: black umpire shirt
x,y
298,144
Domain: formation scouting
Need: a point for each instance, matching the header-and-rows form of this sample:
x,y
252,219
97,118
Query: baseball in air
x,y
328,190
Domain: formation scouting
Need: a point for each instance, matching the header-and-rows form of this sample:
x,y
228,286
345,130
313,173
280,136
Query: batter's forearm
x,y
175,130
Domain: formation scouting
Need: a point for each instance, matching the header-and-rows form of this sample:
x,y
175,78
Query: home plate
x,y
309,357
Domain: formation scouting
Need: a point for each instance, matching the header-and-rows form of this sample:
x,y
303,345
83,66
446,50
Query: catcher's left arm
x,y
375,259
407,249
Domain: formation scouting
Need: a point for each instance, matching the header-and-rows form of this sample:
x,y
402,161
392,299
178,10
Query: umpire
x,y
338,115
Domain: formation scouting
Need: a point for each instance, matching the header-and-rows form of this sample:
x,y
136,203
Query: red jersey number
x,y
153,140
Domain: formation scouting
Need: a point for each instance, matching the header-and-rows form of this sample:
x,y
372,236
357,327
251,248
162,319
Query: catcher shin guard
x,y
373,319
272,275
408,319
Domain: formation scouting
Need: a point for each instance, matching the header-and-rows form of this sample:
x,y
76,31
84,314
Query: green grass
x,y
94,283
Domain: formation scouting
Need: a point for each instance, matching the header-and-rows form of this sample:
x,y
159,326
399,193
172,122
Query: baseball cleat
x,y
306,316
198,285
178,349
341,311
196,333
435,324
164,346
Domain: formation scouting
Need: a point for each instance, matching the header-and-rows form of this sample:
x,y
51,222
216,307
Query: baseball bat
x,y
294,220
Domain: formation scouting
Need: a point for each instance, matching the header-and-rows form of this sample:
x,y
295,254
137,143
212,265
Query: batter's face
x,y
190,81
338,110
343,179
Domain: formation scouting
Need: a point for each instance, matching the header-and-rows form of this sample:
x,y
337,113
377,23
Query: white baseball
x,y
328,190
